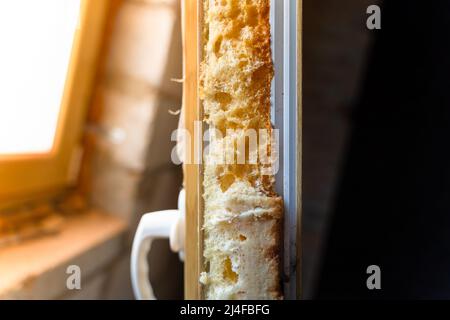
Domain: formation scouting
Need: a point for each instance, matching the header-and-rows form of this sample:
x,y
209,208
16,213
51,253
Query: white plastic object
x,y
155,225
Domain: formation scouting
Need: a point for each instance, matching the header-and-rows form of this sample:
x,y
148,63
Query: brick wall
x,y
127,168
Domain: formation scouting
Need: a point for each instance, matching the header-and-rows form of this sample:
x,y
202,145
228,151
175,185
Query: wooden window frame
x,y
191,33
24,176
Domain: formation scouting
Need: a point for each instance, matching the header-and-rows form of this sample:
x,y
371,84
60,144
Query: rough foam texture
x,y
243,214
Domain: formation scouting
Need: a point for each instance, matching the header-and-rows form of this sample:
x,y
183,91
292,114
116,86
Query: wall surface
x,y
336,43
127,169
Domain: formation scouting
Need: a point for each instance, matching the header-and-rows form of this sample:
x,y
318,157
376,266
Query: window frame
x,y
23,176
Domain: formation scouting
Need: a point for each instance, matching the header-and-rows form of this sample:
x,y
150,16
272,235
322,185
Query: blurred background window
x,y
48,62
37,40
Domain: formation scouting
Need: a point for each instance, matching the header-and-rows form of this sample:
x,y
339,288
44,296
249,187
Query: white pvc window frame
x,y
285,111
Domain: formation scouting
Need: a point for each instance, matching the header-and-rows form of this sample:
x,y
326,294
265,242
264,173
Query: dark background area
x,y
376,159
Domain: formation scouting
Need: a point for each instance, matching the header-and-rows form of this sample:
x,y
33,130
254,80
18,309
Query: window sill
x,y
36,269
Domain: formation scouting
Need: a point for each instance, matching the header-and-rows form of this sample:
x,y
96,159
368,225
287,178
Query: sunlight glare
x,y
36,45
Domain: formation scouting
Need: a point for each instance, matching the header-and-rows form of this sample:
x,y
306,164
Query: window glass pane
x,y
36,39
